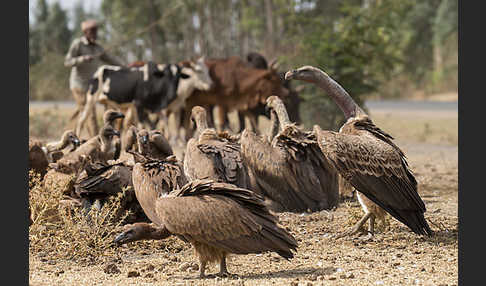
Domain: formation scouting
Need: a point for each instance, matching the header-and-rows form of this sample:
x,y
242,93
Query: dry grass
x,y
65,232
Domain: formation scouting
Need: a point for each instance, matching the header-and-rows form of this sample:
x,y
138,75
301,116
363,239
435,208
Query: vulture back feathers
x,y
291,170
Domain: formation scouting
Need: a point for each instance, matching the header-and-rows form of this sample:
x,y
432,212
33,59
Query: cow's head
x,y
268,83
199,77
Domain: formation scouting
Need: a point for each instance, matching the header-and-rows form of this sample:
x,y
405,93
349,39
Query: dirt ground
x,y
394,256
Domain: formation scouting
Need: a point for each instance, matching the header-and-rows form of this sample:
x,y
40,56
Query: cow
x,y
236,86
199,79
150,87
291,102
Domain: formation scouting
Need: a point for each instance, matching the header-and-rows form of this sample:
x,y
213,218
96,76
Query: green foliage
x,y
359,51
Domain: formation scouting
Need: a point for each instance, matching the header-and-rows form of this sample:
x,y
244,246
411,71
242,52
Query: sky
x,y
89,5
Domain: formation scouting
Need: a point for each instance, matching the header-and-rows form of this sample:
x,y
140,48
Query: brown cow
x,y
236,86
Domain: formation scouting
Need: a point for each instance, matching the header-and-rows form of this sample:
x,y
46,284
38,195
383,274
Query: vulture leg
x,y
202,269
223,271
357,226
371,229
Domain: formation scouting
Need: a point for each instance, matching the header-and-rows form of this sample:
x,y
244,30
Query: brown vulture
x,y
40,155
366,156
213,155
99,148
290,171
216,218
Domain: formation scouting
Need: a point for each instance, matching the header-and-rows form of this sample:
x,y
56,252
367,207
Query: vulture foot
x,y
356,228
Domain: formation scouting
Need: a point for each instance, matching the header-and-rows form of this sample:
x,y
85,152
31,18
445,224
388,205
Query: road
x,y
373,105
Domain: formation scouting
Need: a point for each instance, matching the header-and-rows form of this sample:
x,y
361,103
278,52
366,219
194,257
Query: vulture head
x,y
111,115
199,118
139,231
70,137
107,132
130,233
305,73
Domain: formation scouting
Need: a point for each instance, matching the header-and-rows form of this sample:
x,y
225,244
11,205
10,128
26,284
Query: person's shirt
x,y
81,69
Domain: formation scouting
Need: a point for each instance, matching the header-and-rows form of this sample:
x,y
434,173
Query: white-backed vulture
x,y
38,161
213,155
40,154
155,178
98,148
109,118
290,171
153,143
367,157
99,181
217,219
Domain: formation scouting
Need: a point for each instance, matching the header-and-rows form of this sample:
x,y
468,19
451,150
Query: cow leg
x,y
241,122
250,121
141,116
87,109
130,117
220,116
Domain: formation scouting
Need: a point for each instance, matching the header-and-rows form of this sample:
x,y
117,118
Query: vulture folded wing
x,y
161,143
378,170
292,173
102,180
224,216
227,161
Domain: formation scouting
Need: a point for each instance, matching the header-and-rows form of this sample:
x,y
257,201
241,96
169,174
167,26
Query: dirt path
x,y
395,256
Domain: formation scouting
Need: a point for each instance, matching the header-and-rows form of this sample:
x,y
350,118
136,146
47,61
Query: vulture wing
x,y
224,216
161,143
227,161
102,180
377,168
292,171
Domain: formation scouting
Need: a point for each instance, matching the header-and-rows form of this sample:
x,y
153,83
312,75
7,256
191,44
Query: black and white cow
x,y
150,87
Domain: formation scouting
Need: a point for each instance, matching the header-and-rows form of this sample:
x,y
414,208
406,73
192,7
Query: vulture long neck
x,y
274,126
201,124
282,115
338,94
150,232
59,145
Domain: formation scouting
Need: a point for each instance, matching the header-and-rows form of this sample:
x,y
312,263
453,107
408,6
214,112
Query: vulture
x,y
367,158
153,143
99,181
41,155
109,118
290,171
99,148
216,218
214,155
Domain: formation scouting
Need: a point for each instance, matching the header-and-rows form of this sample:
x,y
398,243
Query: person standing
x,y
84,57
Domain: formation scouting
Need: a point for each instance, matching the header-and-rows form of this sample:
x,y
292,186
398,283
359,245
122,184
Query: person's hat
x,y
88,24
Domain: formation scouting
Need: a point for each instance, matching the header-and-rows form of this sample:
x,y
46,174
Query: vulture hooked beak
x,y
290,74
76,142
268,109
123,237
145,139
